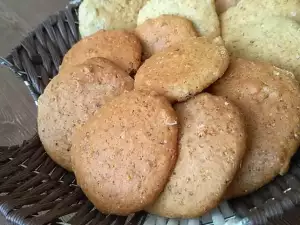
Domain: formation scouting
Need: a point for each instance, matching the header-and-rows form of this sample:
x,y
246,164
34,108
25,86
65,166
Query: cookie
x,y
124,155
269,99
121,47
270,39
255,10
162,32
201,12
71,98
212,142
183,69
108,15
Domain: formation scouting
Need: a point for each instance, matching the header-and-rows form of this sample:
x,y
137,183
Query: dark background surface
x,y
17,110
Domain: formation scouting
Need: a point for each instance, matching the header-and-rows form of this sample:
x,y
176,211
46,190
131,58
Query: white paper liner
x,y
222,215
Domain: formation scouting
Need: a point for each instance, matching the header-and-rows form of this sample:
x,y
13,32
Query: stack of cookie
x,y
160,118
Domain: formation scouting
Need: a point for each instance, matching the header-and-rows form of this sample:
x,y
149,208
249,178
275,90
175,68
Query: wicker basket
x,y
35,191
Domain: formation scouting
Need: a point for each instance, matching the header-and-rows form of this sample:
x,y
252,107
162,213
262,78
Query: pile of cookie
x,y
161,116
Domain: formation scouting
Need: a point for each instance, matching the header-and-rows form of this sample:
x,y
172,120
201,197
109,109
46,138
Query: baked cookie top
x,y
212,142
159,33
121,47
244,11
271,39
269,99
201,12
183,69
108,15
71,98
124,155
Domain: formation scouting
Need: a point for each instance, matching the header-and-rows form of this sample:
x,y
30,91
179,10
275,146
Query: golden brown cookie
x,y
108,15
124,155
162,32
183,69
71,98
121,47
269,99
212,142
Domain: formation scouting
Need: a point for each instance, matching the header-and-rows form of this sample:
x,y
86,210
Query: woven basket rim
x,y
36,61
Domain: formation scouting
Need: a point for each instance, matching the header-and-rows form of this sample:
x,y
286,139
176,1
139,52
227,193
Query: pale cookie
x,y
212,142
124,155
162,32
121,47
71,98
254,10
183,69
201,12
97,15
271,39
269,99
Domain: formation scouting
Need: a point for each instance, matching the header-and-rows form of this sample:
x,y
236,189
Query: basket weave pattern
x,y
35,191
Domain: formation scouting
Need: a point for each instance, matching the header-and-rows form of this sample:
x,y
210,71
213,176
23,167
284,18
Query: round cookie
x,y
162,32
183,69
71,98
269,99
124,155
244,11
212,142
201,12
121,47
102,14
262,39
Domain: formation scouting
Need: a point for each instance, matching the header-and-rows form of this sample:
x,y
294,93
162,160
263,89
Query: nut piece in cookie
x,y
71,98
125,154
184,69
212,142
269,99
162,32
